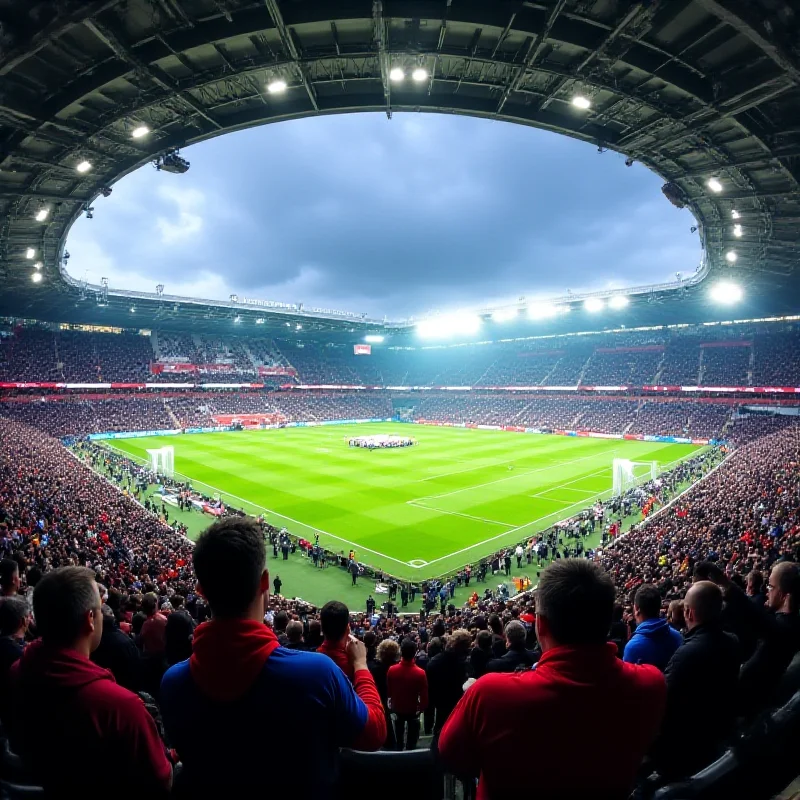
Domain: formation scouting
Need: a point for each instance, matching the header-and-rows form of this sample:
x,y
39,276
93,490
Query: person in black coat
x,y
516,655
15,615
118,653
695,732
480,655
447,674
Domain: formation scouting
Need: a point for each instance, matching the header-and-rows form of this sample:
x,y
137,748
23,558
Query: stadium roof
x,y
698,90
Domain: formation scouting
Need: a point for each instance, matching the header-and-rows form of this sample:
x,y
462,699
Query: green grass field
x,y
415,512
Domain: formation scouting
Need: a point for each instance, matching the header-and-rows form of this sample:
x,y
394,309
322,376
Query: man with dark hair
x,y
154,631
335,620
15,615
577,685
517,654
755,588
294,635
118,653
705,665
9,577
447,674
56,688
653,641
408,695
481,654
242,695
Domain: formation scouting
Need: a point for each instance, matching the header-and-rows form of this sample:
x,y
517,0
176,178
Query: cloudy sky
x,y
395,218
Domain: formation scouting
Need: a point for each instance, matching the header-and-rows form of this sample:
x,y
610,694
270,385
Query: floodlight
x,y
298,327
277,87
373,339
38,265
30,253
259,321
397,74
579,101
133,309
41,214
36,277
594,304
419,75
737,231
731,256
714,185
542,310
504,314
142,130
463,323
237,318
735,214
618,301
726,293
84,166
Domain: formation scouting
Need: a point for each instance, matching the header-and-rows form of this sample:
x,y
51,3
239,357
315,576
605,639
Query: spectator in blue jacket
x,y
653,641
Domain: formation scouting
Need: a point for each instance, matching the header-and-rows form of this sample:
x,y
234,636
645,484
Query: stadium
x,y
409,545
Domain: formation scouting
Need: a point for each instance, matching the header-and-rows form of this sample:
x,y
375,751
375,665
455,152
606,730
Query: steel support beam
x,y
380,33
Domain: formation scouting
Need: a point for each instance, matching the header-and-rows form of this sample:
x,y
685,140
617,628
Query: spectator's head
x,y
294,632
150,603
483,641
783,589
66,604
229,562
516,634
755,582
280,621
575,600
388,652
675,615
408,649
459,641
335,619
33,576
9,577
15,615
495,624
702,604
646,603
435,646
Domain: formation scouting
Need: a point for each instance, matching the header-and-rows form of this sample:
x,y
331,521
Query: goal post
x,y
629,474
162,461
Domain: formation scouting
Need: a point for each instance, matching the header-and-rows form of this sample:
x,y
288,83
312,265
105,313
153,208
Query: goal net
x,y
628,474
162,461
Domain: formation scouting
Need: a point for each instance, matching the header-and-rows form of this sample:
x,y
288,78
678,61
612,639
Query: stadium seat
x,y
11,791
399,775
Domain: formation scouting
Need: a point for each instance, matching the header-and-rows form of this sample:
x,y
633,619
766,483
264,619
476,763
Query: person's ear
x,y
264,582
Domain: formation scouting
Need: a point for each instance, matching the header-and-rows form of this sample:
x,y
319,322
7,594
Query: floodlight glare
x,y
450,325
731,256
41,214
38,265
277,87
397,74
259,321
298,327
142,130
237,318
726,293
504,314
30,253
133,309
735,214
714,185
579,101
373,339
618,302
84,166
419,75
594,304
737,231
36,277
542,311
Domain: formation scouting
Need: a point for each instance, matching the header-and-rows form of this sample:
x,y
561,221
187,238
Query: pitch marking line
x,y
459,514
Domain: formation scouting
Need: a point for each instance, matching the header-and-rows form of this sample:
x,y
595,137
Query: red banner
x,y
362,349
249,420
277,371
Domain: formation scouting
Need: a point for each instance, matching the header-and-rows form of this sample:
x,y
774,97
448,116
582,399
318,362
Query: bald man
x,y
777,626
702,678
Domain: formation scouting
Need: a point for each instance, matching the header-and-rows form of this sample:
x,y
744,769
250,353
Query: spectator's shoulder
x,y
645,677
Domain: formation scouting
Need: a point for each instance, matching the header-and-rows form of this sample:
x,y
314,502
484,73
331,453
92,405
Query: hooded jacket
x,y
241,696
653,642
93,729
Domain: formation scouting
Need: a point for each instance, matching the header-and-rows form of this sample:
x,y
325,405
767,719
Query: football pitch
x,y
416,512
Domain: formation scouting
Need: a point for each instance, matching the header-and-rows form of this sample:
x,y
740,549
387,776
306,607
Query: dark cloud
x,y
390,217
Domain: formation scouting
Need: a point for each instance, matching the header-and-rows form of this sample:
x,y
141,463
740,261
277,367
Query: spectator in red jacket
x,y
408,695
577,685
56,688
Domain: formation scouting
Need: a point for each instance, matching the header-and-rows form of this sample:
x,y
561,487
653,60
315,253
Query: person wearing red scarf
x,y
578,685
241,695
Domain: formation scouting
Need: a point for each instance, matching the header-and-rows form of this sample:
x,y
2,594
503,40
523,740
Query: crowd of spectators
x,y
726,366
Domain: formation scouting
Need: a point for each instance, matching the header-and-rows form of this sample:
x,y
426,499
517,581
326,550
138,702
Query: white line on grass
x,y
569,483
416,504
462,471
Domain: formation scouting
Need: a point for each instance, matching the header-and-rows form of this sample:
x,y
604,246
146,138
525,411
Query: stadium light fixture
x,y
38,265
298,327
373,339
140,131
30,253
714,185
726,293
84,166
594,304
41,214
618,302
504,314
462,323
277,86
735,214
259,321
737,231
397,75
133,309
36,277
237,318
543,311
419,75
731,256
579,101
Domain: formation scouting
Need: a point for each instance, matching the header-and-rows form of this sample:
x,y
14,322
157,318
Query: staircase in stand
x,y
171,414
660,368
751,364
583,370
701,368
